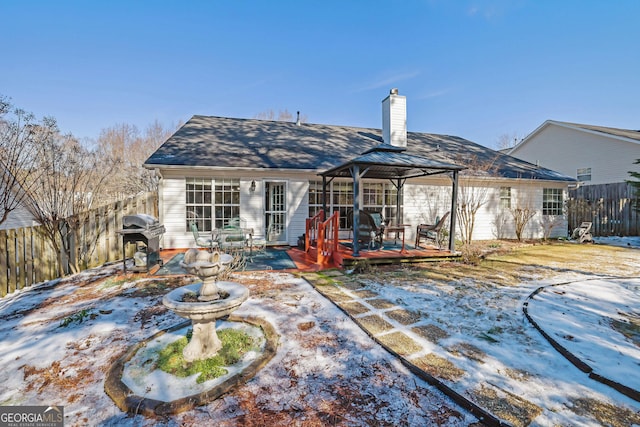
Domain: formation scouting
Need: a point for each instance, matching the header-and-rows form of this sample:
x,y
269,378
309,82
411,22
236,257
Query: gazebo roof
x,y
390,162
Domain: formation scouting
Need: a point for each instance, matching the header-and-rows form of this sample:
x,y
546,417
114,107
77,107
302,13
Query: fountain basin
x,y
135,399
204,342
206,310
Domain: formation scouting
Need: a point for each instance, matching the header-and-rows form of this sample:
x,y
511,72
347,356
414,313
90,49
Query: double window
x,y
583,174
552,203
212,203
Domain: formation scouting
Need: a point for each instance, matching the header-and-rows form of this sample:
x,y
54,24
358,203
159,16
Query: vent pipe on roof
x,y
394,119
298,119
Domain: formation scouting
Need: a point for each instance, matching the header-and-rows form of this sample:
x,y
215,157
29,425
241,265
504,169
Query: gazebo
x,y
391,162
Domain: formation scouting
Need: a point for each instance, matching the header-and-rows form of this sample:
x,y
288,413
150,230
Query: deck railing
x,y
328,238
311,230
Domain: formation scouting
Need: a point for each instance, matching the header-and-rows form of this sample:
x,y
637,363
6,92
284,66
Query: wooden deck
x,y
345,259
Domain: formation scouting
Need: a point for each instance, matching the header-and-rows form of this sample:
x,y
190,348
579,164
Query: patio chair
x,y
379,226
368,231
432,232
583,233
258,244
202,241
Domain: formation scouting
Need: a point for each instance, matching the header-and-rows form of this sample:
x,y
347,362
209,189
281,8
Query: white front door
x,y
275,207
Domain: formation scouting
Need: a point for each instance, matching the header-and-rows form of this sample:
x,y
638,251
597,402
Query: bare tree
x,y
522,213
282,116
549,222
61,197
507,140
470,200
20,135
500,221
472,194
126,149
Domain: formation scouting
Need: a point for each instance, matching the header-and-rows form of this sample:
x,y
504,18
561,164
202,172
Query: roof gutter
x,y
219,168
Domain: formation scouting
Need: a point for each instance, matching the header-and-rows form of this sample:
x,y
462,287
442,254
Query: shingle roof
x,y
218,142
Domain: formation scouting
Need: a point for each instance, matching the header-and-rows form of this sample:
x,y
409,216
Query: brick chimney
x,y
394,119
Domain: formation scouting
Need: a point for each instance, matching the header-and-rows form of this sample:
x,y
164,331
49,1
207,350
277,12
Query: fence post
x,y
21,262
11,260
4,276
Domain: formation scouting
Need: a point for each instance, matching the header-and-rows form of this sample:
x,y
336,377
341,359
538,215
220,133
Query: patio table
x,y
398,228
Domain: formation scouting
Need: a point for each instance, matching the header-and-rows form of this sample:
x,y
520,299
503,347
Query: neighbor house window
x,y
552,201
212,203
505,197
584,174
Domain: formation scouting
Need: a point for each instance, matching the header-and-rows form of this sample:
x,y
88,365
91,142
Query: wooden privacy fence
x,y
27,257
611,208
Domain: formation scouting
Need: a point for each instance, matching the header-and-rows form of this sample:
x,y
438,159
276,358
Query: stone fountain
x,y
137,386
204,303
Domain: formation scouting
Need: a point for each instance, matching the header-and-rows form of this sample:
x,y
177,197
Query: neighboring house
x,y
591,154
19,217
215,169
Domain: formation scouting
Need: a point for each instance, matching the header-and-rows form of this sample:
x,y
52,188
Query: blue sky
x,y
471,68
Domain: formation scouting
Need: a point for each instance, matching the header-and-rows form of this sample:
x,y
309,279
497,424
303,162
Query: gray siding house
x,y
591,154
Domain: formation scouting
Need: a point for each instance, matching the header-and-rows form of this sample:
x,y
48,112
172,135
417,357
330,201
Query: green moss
x,y
235,344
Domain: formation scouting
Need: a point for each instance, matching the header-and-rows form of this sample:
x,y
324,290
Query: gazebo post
x,y
324,196
355,172
454,207
399,186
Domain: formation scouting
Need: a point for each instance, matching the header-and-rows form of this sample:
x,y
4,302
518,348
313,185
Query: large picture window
x,y
552,202
212,203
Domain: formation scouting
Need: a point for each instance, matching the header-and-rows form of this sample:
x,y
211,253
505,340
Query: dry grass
x,y
507,406
374,324
430,332
404,316
605,413
400,343
438,367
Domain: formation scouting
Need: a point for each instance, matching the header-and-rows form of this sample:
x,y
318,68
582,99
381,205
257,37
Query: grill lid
x,y
139,221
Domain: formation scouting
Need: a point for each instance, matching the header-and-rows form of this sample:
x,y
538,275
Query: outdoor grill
x,y
144,231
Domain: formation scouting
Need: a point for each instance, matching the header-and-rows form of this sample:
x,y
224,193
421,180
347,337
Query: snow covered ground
x,y
481,329
58,339
626,242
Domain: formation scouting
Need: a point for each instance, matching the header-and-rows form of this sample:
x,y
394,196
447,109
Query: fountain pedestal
x,y
214,301
204,342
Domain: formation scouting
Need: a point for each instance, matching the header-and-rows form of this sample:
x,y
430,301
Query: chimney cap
x,y
394,91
